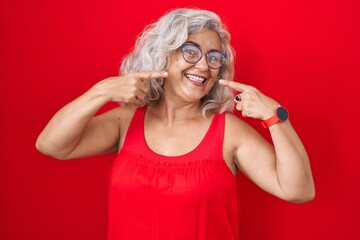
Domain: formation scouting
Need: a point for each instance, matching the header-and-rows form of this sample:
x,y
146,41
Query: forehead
x,y
207,39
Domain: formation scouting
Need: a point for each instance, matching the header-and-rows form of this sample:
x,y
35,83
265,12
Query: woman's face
x,y
191,82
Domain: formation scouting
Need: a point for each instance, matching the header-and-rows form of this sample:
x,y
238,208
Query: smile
x,y
195,79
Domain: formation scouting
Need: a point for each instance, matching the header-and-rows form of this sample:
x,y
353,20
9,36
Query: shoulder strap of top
x,y
212,144
134,136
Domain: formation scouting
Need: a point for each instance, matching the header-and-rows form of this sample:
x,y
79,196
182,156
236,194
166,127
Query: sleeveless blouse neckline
x,y
181,157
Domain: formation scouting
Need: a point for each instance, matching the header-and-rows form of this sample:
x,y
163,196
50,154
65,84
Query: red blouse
x,y
192,196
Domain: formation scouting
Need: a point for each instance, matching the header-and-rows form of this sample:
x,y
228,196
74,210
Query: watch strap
x,y
271,121
280,115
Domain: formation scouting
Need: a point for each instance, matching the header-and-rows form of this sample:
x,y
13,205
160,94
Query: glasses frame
x,y
201,55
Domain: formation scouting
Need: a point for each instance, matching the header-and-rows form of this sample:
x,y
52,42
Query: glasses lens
x,y
191,53
215,59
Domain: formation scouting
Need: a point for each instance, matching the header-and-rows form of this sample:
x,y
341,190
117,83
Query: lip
x,y
196,79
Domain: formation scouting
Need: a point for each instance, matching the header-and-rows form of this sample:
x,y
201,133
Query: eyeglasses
x,y
192,54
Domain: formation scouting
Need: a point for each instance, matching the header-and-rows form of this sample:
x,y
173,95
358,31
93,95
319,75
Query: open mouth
x,y
195,79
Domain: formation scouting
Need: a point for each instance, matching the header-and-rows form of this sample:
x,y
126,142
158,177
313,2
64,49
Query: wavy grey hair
x,y
161,38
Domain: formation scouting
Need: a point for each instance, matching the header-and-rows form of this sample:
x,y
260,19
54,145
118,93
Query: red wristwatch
x,y
280,115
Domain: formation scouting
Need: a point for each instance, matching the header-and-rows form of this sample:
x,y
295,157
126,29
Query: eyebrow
x,y
198,45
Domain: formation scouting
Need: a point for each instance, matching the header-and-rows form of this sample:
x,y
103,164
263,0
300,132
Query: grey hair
x,y
161,38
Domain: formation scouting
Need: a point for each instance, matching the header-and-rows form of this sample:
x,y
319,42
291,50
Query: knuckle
x,y
256,91
251,88
145,75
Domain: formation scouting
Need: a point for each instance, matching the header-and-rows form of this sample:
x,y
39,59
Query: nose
x,y
202,63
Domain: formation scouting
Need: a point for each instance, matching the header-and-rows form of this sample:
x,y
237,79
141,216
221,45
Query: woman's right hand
x,y
127,88
74,132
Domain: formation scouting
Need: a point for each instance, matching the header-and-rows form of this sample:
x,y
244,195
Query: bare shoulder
x,y
238,135
239,132
234,125
234,128
114,121
125,114
121,114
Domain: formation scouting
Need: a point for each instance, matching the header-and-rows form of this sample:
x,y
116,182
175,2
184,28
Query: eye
x,y
214,57
189,51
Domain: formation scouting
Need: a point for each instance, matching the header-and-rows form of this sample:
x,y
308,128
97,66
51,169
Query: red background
x,y
305,54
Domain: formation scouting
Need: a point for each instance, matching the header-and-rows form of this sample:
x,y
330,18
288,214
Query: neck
x,y
172,112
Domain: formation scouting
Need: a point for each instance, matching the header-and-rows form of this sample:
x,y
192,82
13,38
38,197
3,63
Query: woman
x,y
179,147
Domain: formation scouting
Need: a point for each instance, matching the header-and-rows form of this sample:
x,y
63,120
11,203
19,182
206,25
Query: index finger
x,y
152,75
240,87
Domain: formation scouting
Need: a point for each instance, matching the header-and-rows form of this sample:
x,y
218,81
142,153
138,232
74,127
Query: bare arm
x,y
283,169
74,132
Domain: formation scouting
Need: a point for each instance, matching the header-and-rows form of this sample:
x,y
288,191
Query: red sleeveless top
x,y
188,197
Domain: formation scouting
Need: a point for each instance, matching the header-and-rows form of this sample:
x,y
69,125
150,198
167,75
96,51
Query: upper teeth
x,y
195,78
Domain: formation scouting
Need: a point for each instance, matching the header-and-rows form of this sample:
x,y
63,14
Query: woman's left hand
x,y
250,101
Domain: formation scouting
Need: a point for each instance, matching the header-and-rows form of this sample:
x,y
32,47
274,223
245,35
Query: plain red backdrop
x,y
305,54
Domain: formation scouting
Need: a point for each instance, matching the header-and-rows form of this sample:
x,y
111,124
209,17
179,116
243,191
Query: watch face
x,y
282,113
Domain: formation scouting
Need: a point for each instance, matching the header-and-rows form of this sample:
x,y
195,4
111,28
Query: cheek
x,y
214,74
177,65
173,63
211,84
